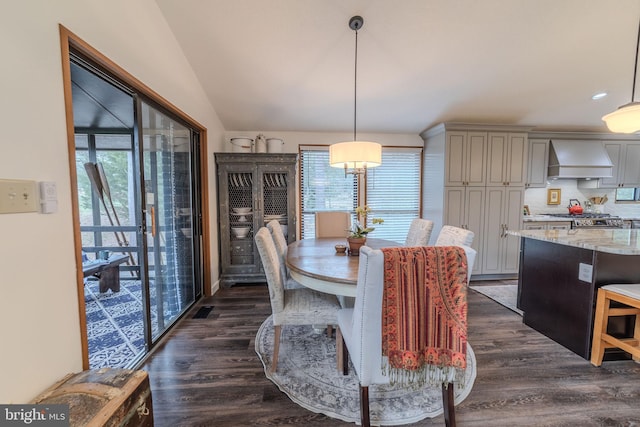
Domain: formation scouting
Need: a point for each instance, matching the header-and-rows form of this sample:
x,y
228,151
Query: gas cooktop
x,y
583,215
592,220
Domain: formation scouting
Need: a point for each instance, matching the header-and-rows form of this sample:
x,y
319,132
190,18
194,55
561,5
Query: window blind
x,y
322,188
393,190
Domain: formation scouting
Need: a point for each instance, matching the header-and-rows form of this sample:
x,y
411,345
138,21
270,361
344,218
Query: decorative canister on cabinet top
x,y
241,144
260,144
274,145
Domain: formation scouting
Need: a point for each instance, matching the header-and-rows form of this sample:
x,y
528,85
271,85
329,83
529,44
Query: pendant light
x,y
355,156
626,119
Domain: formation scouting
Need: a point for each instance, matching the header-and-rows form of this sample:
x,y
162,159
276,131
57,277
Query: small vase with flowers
x,y
358,233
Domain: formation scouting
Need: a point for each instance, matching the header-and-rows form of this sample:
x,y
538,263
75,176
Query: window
x,y
114,151
323,188
627,194
392,191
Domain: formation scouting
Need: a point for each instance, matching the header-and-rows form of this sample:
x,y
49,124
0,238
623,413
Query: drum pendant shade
x,y
355,155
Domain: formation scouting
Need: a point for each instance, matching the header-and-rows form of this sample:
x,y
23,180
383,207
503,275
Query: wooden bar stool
x,y
629,295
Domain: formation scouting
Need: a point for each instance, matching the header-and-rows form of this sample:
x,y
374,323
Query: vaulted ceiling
x,y
288,65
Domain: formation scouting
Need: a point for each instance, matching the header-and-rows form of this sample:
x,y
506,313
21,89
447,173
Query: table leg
x,y
110,279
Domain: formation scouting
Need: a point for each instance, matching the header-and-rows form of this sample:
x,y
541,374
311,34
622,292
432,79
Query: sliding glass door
x,y
170,226
139,214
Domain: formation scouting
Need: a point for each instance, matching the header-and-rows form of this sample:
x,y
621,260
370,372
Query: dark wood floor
x,y
207,374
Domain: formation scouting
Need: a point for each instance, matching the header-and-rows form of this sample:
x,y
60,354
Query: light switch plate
x,y
585,272
17,196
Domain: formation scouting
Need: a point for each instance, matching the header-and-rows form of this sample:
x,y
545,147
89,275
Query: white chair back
x,y
278,236
361,326
471,259
271,264
454,236
419,232
332,224
365,345
361,330
280,242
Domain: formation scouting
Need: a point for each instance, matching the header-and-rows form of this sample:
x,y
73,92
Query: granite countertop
x,y
615,241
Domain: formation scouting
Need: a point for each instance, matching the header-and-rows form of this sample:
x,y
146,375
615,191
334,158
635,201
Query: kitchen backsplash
x,y
536,199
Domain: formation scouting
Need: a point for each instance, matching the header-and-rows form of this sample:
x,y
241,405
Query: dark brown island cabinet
x,y
560,273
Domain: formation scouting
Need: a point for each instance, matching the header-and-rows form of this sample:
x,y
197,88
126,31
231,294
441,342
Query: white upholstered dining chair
x,y
419,232
281,244
278,237
454,236
332,224
360,330
299,306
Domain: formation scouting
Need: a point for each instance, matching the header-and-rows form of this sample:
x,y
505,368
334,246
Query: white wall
x,y
293,139
39,325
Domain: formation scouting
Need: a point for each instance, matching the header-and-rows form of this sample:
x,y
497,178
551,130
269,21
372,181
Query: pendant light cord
x,y
635,69
635,65
355,88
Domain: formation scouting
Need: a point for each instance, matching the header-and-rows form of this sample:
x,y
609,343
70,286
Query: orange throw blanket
x,y
424,314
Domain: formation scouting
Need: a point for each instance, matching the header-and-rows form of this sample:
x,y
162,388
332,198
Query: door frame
x,y
71,42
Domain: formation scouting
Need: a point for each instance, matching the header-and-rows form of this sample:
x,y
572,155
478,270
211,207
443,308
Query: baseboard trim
x,y
482,277
215,287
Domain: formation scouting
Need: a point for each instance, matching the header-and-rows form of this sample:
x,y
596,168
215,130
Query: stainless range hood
x,y
578,159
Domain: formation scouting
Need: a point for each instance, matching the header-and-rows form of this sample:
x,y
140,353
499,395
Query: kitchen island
x,y
560,272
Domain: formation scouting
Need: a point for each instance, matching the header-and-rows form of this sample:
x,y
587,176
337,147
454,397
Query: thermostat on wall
x,y
48,197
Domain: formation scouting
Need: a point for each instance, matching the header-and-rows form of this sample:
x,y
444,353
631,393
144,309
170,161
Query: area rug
x,y
307,373
506,295
115,330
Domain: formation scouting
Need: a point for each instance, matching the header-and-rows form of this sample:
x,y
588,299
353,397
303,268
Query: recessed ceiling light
x,y
599,95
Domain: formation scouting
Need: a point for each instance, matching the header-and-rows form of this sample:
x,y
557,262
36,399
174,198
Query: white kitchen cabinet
x,y
455,188
506,159
631,170
537,163
625,157
465,209
614,149
465,158
547,225
559,225
534,225
503,212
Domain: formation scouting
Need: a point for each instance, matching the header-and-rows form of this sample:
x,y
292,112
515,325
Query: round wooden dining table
x,y
315,264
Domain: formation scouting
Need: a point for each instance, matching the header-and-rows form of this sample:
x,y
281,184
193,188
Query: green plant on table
x,y
359,228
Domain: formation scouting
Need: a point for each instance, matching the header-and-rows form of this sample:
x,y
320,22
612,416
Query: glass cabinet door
x,y
275,196
241,213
